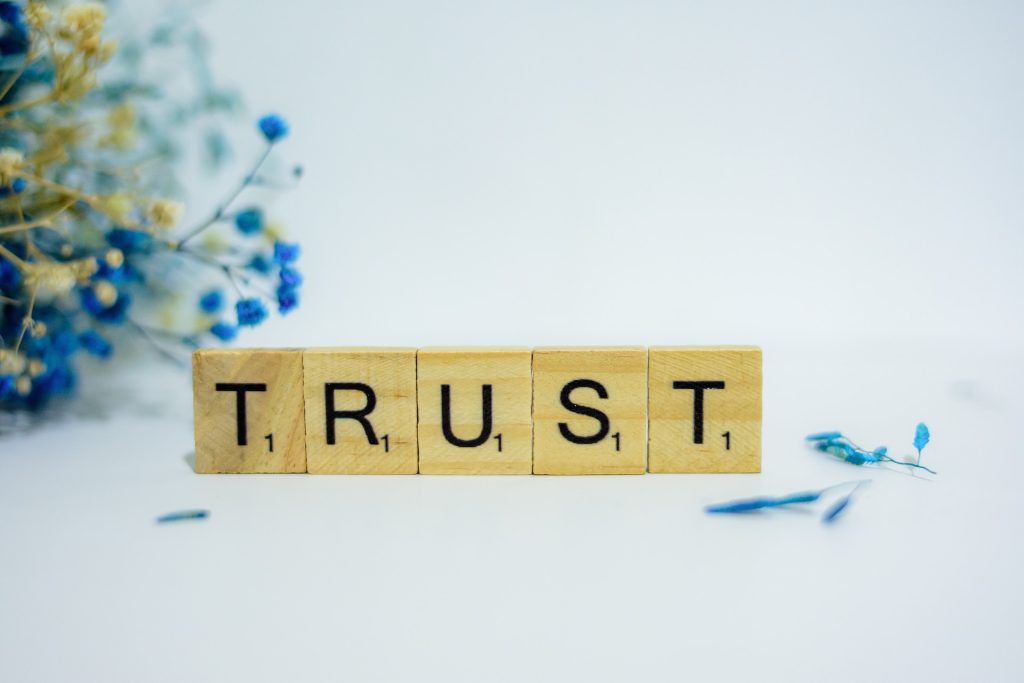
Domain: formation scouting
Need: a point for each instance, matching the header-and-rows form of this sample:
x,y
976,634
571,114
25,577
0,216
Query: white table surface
x,y
439,578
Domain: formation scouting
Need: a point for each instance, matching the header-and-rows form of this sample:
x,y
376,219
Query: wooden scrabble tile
x,y
590,410
474,410
705,409
360,410
248,410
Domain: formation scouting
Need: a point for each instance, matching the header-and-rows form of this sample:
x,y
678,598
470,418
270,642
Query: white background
x,y
839,183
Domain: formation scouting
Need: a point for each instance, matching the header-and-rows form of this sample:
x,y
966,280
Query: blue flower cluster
x,y
40,337
251,311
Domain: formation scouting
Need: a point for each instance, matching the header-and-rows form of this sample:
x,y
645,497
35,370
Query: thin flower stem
x,y
12,257
229,271
222,209
44,222
29,58
27,321
28,104
157,346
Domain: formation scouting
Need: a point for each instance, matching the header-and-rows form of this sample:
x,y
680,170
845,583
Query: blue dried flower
x,y
290,278
114,314
251,312
140,263
10,276
834,443
287,299
224,331
129,241
211,302
273,127
259,263
6,386
17,186
14,32
249,221
921,438
94,343
285,253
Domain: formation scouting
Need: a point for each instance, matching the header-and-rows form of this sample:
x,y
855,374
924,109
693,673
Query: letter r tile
x,y
360,410
248,410
705,409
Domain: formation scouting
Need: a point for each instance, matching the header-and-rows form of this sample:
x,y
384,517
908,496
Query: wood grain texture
x,y
622,372
273,405
733,409
504,376
389,375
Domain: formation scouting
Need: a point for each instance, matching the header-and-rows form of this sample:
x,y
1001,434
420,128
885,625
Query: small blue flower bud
x,y
251,312
249,221
290,278
94,343
273,127
287,299
285,253
211,302
224,331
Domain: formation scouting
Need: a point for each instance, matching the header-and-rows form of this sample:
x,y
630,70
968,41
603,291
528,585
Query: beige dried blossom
x,y
114,258
37,15
163,214
105,292
117,206
82,21
11,362
51,279
122,133
11,161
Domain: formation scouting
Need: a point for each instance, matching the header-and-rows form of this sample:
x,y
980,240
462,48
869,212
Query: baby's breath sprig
x,y
90,252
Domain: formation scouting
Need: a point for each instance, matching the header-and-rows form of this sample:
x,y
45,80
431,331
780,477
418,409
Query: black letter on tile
x,y
602,419
446,418
698,404
240,390
357,415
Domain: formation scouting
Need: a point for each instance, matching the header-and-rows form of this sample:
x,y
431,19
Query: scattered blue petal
x,y
840,505
751,504
836,510
844,449
825,436
182,515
